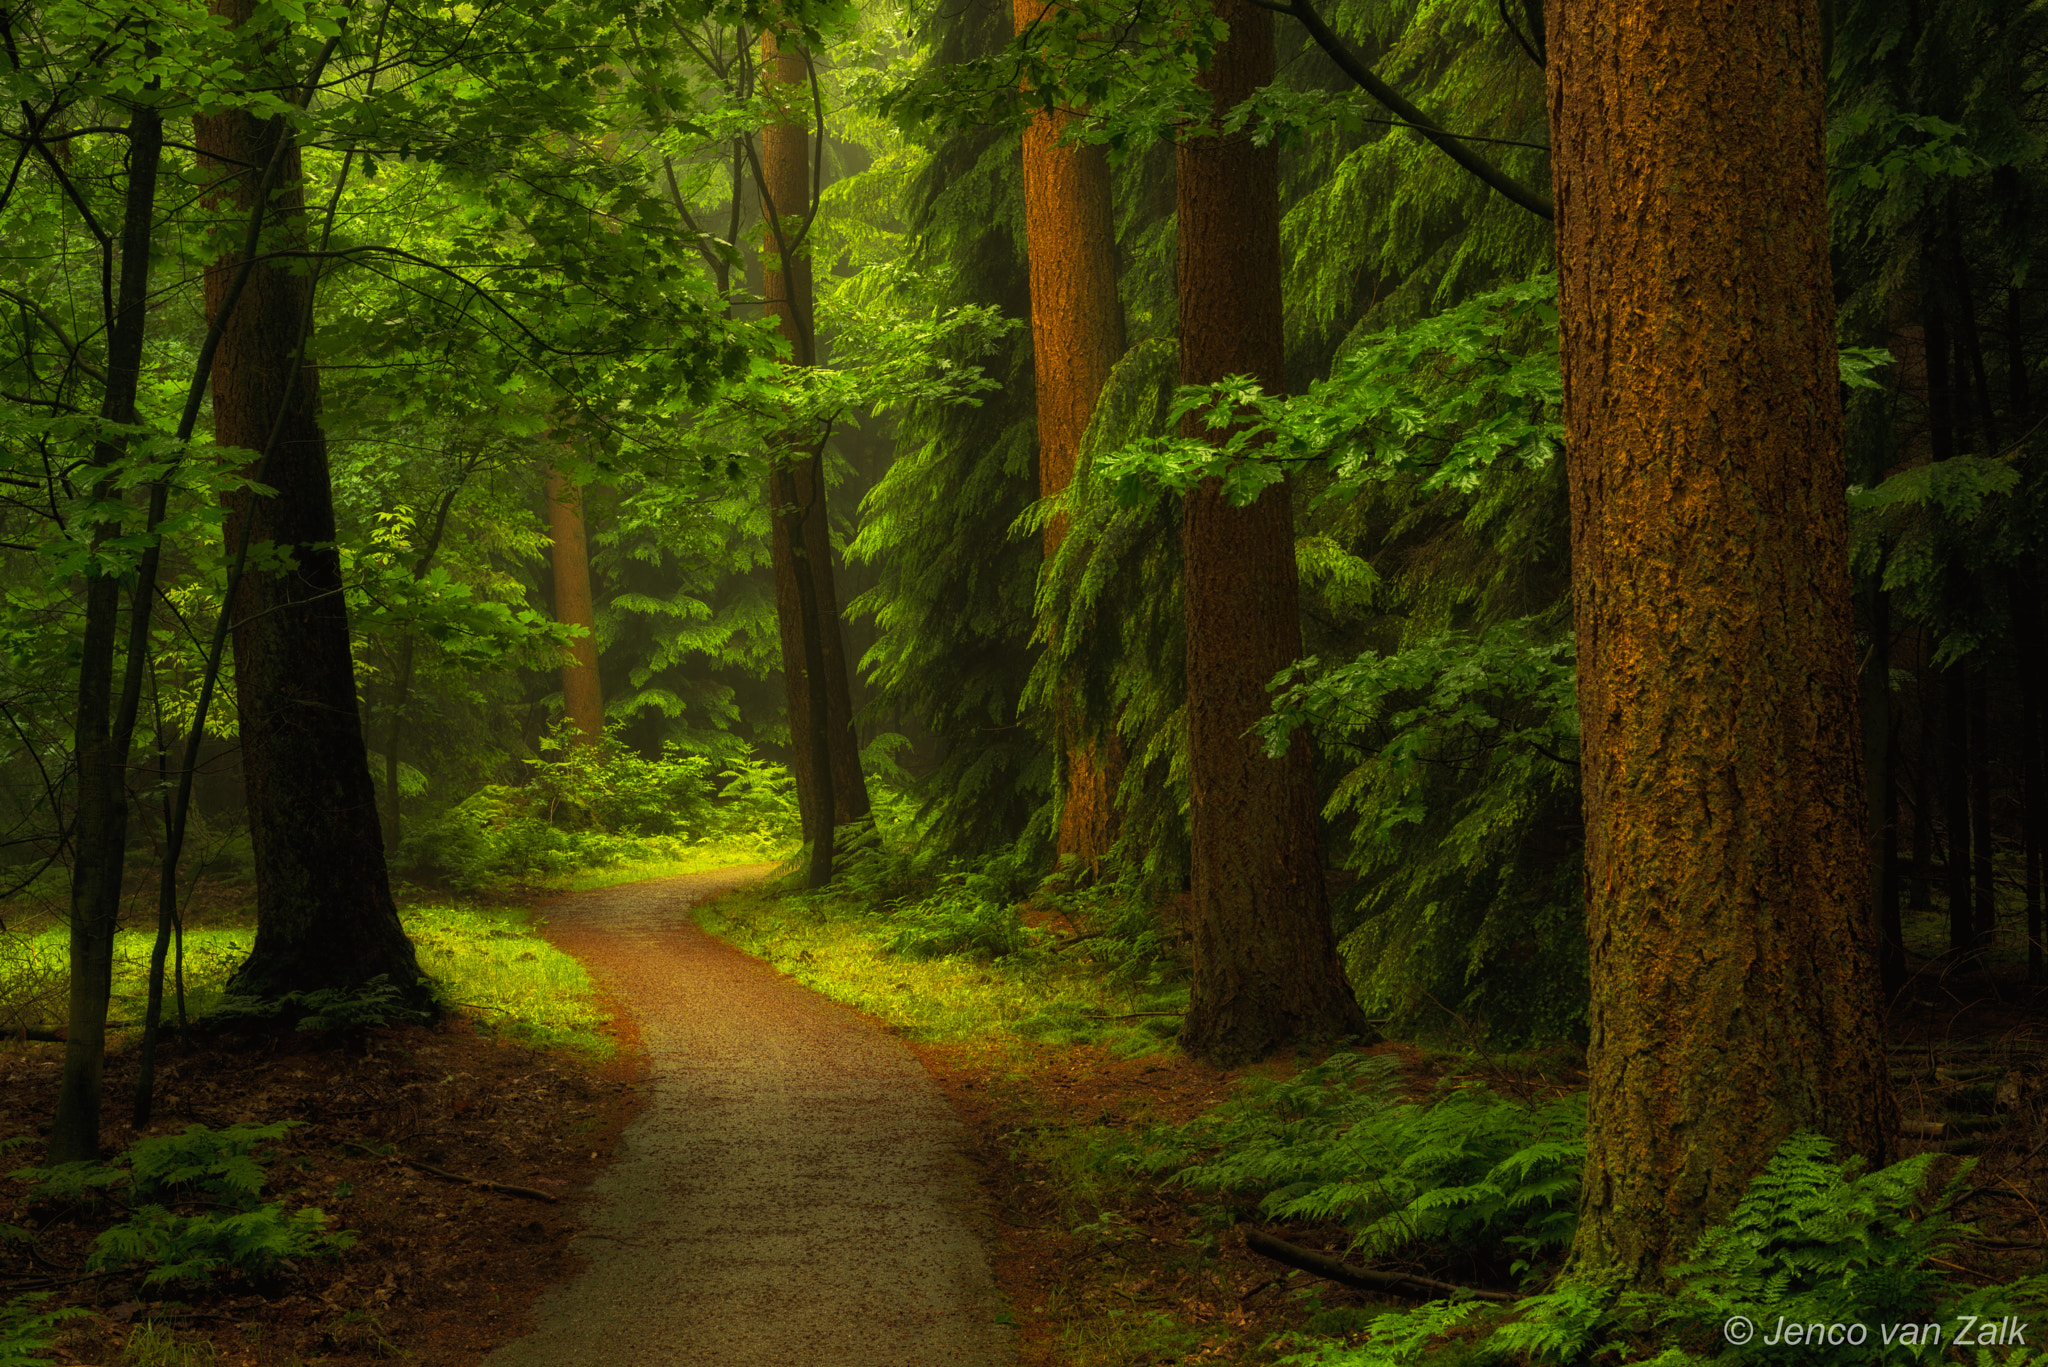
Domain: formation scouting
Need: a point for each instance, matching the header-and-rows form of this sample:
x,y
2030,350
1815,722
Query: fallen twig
x,y
1128,1015
429,1168
1392,1283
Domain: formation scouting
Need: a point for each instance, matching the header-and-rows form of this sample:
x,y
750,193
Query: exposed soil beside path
x,y
795,1191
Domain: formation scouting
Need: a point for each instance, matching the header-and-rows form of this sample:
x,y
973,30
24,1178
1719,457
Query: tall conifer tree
x,y
1265,962
1733,945
1077,334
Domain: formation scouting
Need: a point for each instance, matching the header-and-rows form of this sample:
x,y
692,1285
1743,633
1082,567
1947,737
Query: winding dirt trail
x,y
794,1194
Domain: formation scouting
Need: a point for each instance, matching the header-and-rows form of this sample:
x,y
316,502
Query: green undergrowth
x,y
489,961
701,858
1031,993
940,951
1483,1189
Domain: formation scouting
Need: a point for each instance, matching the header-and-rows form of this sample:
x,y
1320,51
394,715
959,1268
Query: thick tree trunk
x,y
1266,972
325,917
582,699
103,728
1077,334
1733,943
798,481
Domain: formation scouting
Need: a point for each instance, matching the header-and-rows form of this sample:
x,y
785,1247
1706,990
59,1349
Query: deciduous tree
x,y
325,917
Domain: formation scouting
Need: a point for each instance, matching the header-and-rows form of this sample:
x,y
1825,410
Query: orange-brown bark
x,y
1732,937
799,483
582,698
1266,971
1077,334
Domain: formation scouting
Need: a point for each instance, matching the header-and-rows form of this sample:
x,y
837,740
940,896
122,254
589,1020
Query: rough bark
x,y
798,481
325,918
1077,334
1733,941
582,698
1266,972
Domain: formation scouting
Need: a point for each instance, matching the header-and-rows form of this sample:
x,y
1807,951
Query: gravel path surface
x,y
794,1193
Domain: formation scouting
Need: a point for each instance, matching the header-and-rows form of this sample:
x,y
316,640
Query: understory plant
x,y
1462,1171
587,805
191,1207
1815,1241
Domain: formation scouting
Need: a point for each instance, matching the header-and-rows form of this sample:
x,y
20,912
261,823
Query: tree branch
x,y
1348,62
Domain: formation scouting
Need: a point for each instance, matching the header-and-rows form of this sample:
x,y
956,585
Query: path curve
x,y
794,1195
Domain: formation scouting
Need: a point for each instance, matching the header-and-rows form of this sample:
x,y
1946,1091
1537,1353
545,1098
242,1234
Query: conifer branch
x,y
1453,147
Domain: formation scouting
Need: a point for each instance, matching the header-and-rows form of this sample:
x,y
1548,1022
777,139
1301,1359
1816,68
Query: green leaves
x,y
1443,399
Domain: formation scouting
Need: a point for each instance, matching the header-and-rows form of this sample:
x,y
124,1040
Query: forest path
x,y
794,1195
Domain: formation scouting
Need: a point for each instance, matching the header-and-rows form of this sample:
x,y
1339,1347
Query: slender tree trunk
x,y
582,699
1077,334
1266,972
104,728
1984,851
1922,896
1955,813
325,918
2034,806
1732,936
1878,752
799,481
401,689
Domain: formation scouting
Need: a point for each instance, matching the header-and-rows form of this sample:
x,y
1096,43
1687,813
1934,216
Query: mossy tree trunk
x,y
1266,972
1077,334
569,556
1733,943
325,917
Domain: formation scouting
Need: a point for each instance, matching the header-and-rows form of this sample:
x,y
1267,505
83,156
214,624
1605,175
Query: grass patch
x,y
700,859
1033,994
489,960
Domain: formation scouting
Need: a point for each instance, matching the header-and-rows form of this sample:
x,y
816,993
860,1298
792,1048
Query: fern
x,y
1466,1170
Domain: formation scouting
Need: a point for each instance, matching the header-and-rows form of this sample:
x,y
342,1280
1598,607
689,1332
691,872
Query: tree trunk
x,y
2034,804
1921,897
798,481
1984,900
1877,761
1266,972
325,918
1955,807
582,699
1077,334
1733,945
103,729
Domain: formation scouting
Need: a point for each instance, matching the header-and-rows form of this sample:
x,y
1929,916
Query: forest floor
x,y
1090,1270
